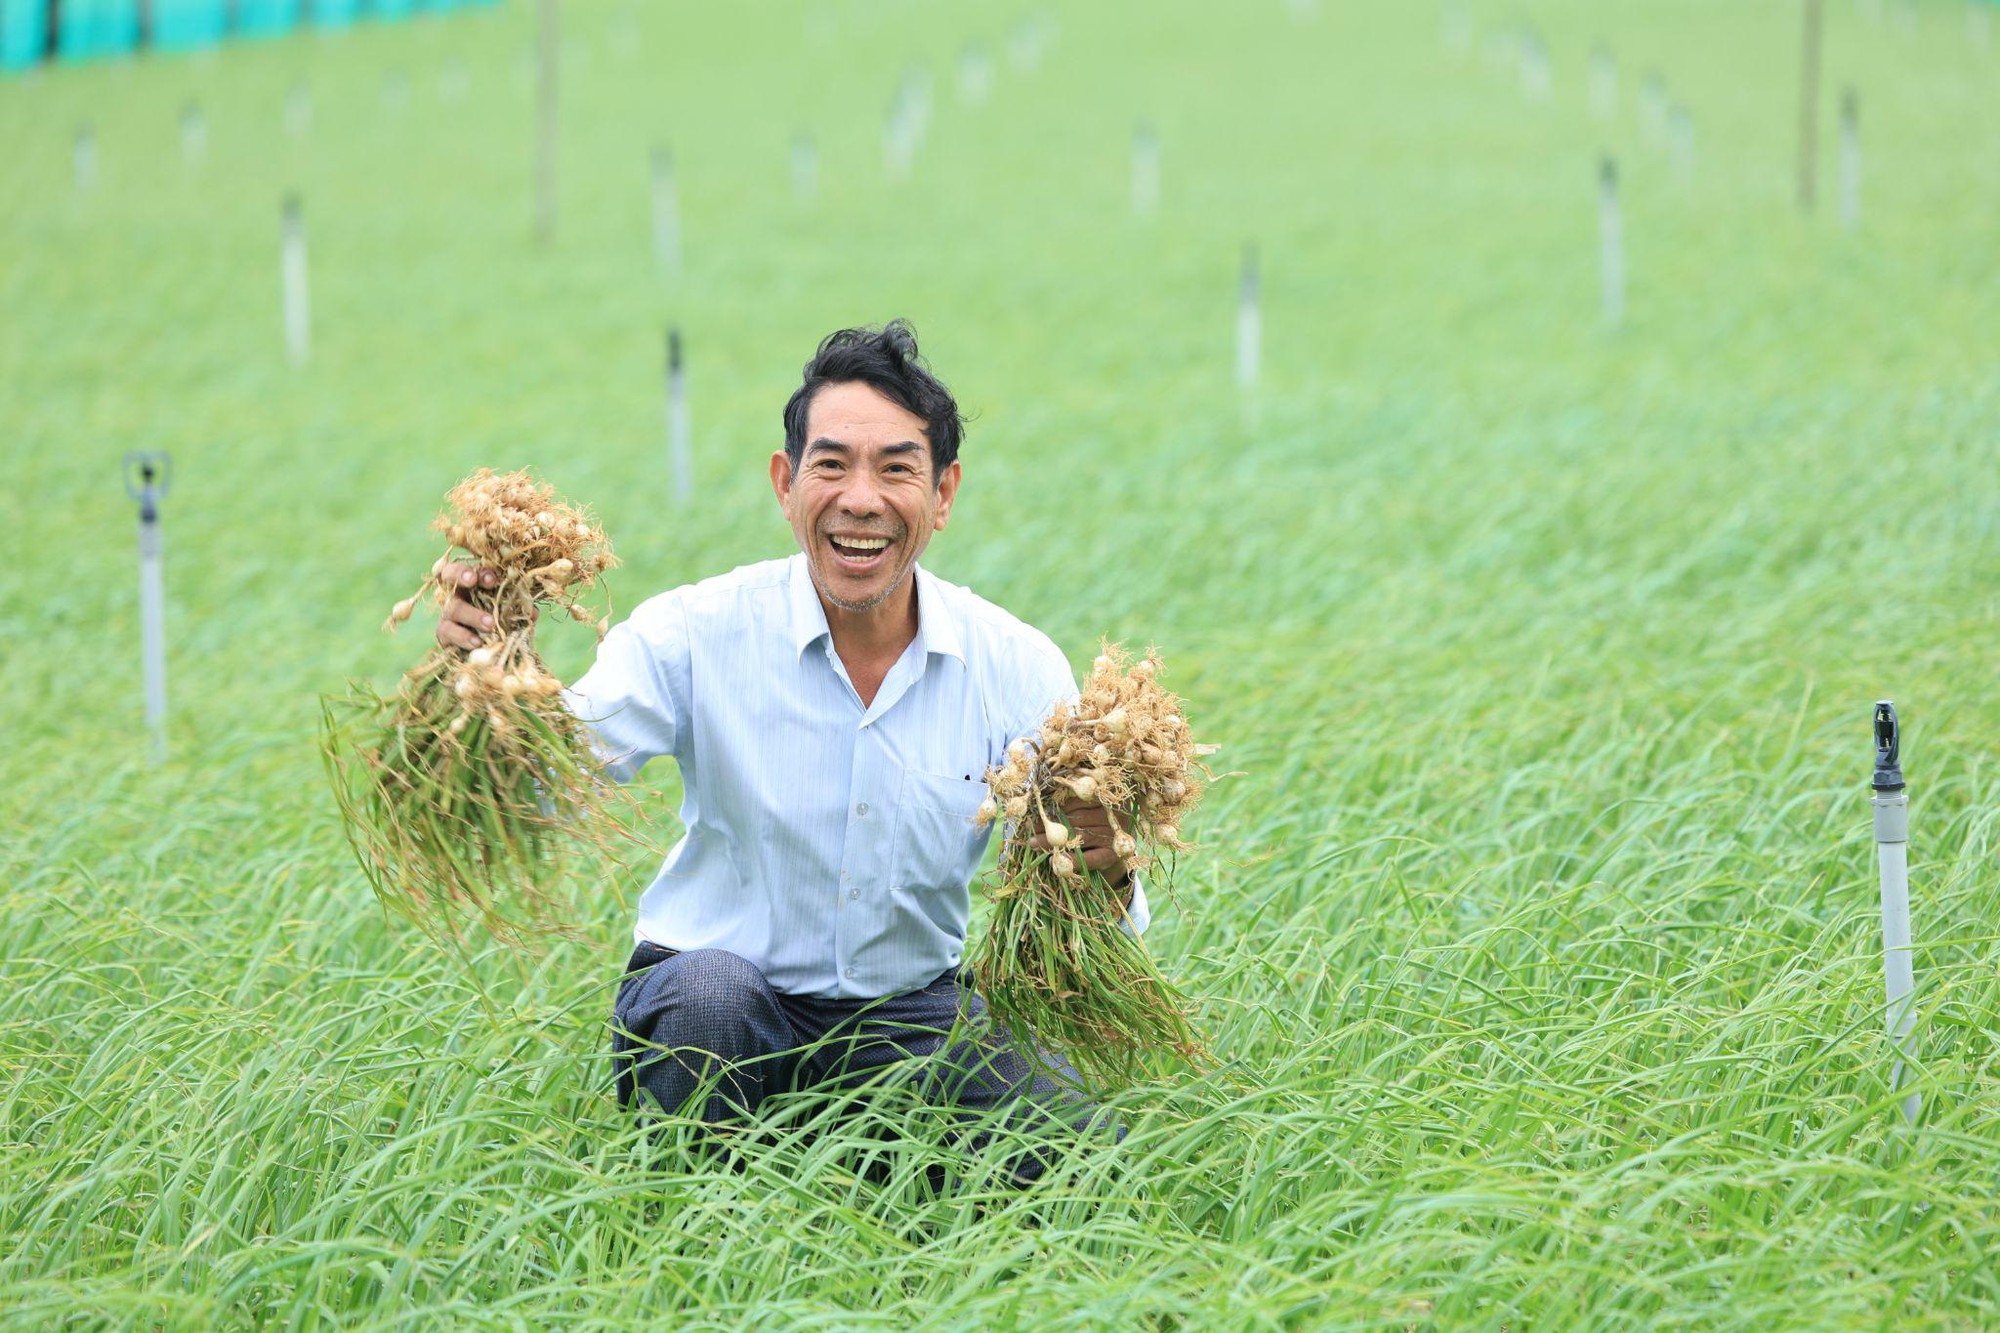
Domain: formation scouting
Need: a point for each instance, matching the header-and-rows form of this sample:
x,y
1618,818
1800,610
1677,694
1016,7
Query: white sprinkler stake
x,y
1536,79
1457,29
903,132
1249,321
1653,107
147,477
975,75
805,170
194,134
680,447
1892,850
292,270
666,213
1611,242
1603,83
896,143
548,58
1680,137
83,159
1850,159
1145,170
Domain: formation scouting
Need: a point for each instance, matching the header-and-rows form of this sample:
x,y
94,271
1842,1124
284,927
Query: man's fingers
x,y
1087,814
461,624
456,636
461,612
453,574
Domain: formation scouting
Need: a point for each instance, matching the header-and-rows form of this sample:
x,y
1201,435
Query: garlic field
x,y
1535,927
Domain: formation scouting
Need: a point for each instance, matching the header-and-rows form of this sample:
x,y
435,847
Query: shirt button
x,y
861,809
849,974
853,895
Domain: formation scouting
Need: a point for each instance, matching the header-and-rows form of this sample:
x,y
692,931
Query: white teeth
x,y
863,543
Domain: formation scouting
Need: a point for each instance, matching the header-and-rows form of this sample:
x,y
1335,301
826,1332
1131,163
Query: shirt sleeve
x,y
634,697
1045,681
1139,914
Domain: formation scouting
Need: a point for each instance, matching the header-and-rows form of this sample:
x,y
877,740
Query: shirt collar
x,y
937,628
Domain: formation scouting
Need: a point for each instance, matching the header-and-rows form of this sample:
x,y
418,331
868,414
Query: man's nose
x,y
861,496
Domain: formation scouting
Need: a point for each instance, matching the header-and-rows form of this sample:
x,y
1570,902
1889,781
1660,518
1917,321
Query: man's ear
x,y
947,491
781,480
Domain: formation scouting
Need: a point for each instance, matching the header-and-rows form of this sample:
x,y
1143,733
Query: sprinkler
x,y
1892,848
1249,319
680,449
147,477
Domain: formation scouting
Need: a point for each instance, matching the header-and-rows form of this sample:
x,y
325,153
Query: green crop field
x,y
1537,932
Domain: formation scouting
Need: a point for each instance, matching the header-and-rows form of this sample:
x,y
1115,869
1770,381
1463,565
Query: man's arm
x,y
633,698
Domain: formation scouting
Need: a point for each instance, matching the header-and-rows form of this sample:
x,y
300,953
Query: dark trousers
x,y
683,1018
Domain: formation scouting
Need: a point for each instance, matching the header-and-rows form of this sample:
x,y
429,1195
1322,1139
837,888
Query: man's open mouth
x,y
859,550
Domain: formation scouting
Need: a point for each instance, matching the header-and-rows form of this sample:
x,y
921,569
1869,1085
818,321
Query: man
x,y
833,715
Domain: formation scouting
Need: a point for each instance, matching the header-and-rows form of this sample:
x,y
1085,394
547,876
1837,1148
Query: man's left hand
x,y
1092,823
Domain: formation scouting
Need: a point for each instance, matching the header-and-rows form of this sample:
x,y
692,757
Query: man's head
x,y
870,463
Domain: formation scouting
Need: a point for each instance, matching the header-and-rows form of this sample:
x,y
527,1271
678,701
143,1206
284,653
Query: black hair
x,y
887,361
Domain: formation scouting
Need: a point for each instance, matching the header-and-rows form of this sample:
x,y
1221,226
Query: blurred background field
x,y
1539,929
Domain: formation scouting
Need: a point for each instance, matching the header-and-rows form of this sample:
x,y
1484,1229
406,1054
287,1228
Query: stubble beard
x,y
861,608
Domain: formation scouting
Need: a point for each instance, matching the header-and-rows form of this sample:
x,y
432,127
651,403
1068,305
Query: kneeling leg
x,y
677,1021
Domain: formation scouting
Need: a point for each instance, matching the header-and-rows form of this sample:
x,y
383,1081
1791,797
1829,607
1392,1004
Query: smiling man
x,y
833,715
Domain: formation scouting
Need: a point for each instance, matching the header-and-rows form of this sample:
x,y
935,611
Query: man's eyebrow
x,y
827,444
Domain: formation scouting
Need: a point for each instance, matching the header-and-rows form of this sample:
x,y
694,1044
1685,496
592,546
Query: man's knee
x,y
707,999
688,1011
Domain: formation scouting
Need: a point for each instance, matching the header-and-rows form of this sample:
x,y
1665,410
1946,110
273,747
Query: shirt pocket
x,y
938,842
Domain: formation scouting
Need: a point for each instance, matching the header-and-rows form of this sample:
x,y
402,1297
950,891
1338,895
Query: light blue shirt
x,y
829,842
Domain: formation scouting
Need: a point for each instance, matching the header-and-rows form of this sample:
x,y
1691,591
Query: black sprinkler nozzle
x,y
148,477
1888,748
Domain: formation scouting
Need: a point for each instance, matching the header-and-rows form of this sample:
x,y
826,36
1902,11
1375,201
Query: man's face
x,y
863,502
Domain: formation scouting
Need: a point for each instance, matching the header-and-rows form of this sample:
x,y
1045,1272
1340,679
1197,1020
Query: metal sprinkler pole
x,y
147,477
805,169
292,271
680,450
1603,83
1249,320
666,213
83,158
1892,849
548,54
1809,107
1611,242
1145,170
1850,159
194,134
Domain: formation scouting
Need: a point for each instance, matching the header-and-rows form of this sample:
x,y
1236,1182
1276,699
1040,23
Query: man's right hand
x,y
462,624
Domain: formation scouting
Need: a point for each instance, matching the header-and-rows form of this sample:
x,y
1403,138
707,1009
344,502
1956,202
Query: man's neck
x,y
869,642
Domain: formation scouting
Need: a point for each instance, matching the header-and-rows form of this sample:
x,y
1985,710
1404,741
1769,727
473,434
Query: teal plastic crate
x,y
24,33
189,25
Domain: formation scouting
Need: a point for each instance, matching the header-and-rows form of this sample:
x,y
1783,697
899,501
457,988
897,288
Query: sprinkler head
x,y
1888,748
